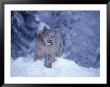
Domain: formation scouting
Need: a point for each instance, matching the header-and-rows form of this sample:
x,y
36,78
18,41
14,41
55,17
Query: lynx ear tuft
x,y
45,28
55,29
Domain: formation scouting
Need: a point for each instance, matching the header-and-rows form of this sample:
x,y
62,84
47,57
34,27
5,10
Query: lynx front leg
x,y
48,61
37,55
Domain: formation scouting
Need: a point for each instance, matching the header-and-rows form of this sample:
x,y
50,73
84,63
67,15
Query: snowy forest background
x,y
80,31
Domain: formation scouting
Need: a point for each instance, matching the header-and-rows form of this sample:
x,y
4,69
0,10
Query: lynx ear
x,y
55,29
45,28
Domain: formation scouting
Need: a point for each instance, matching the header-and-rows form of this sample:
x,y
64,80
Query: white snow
x,y
61,67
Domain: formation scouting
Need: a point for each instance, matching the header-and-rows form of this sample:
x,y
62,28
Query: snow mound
x,y
61,67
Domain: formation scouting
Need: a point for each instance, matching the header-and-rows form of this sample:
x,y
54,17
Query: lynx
x,y
49,45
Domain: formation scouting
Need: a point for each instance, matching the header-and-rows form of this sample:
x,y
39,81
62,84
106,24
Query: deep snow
x,y
61,67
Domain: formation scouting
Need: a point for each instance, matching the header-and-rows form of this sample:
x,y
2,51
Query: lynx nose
x,y
49,41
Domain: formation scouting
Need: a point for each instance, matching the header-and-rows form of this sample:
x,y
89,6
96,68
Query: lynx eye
x,y
52,37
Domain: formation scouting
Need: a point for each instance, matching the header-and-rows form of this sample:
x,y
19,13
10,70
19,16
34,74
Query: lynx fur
x,y
49,45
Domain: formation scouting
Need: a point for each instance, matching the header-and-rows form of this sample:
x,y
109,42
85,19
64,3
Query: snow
x,y
26,67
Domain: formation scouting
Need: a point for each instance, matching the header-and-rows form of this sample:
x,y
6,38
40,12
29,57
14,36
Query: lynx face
x,y
48,36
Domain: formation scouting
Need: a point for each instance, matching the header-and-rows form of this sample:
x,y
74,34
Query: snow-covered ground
x,y
62,67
